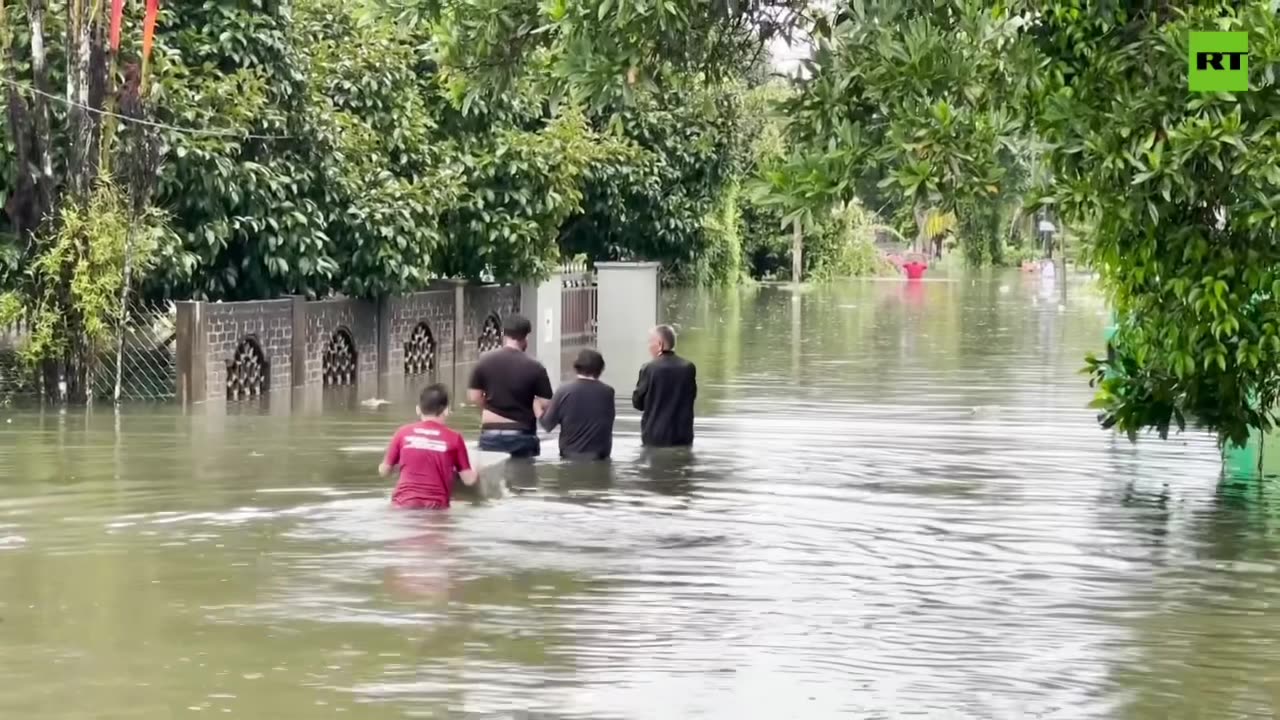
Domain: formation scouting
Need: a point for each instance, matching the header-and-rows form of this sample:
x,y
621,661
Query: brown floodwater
x,y
899,505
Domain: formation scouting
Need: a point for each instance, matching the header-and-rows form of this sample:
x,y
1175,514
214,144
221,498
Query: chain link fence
x,y
148,361
15,379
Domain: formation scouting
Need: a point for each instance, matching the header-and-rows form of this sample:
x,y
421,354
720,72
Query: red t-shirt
x,y
915,270
428,454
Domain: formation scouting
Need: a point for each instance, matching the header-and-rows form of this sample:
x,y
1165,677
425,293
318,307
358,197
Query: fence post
x,y
628,309
459,326
540,303
382,310
298,352
191,338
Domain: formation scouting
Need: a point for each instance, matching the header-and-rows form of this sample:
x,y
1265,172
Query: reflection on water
x,y
898,505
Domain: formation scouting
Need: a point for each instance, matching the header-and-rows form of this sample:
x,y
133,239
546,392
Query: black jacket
x,y
664,395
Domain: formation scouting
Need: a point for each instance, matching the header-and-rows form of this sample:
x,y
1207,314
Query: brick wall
x,y
402,314
481,302
226,325
322,319
293,335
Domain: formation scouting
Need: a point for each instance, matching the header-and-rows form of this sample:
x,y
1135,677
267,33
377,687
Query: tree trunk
x,y
124,308
23,204
797,253
40,108
922,216
82,124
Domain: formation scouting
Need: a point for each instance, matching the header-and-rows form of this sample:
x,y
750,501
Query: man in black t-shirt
x,y
512,390
584,409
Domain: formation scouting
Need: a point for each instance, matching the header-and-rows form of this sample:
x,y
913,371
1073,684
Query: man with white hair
x,y
665,392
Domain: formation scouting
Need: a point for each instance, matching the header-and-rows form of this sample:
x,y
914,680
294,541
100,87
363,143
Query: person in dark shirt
x,y
665,392
512,391
584,409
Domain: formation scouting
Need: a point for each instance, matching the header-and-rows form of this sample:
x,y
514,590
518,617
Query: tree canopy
x,y
1181,190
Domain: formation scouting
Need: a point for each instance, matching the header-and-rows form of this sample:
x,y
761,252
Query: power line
x,y
139,121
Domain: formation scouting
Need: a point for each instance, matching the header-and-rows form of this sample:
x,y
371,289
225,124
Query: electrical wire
x,y
139,121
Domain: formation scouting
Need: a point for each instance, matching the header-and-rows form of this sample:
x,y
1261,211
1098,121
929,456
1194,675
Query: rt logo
x,y
1218,62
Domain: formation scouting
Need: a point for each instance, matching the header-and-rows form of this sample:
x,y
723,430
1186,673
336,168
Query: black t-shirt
x,y
510,381
584,410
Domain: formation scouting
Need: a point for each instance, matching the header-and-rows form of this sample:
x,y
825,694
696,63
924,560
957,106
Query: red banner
x,y
148,35
117,12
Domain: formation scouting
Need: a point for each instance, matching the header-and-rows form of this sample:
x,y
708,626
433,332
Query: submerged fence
x,y
148,359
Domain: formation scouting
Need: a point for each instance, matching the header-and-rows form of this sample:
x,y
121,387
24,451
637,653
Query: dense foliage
x,y
372,176
667,198
73,237
76,280
1183,191
313,153
909,103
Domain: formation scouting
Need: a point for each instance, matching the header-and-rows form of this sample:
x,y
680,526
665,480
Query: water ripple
x,y
898,506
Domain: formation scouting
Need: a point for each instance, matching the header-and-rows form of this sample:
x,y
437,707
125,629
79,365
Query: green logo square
x,y
1218,62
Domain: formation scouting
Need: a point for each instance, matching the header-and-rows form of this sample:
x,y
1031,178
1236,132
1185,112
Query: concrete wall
x,y
480,303
628,309
321,319
402,315
293,335
267,324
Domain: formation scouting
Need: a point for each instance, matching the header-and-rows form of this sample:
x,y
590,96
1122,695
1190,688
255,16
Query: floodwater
x,y
898,506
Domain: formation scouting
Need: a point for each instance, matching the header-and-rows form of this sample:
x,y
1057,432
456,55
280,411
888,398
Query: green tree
x,y
601,52
1182,193
323,177
349,161
71,232
803,192
910,100
664,197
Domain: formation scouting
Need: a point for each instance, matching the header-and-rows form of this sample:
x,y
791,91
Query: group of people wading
x,y
513,392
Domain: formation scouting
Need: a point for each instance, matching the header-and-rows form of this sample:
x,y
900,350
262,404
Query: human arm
x,y
392,458
642,389
462,464
542,395
693,381
476,386
551,417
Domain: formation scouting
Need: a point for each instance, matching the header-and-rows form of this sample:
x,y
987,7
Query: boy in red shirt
x,y
428,454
